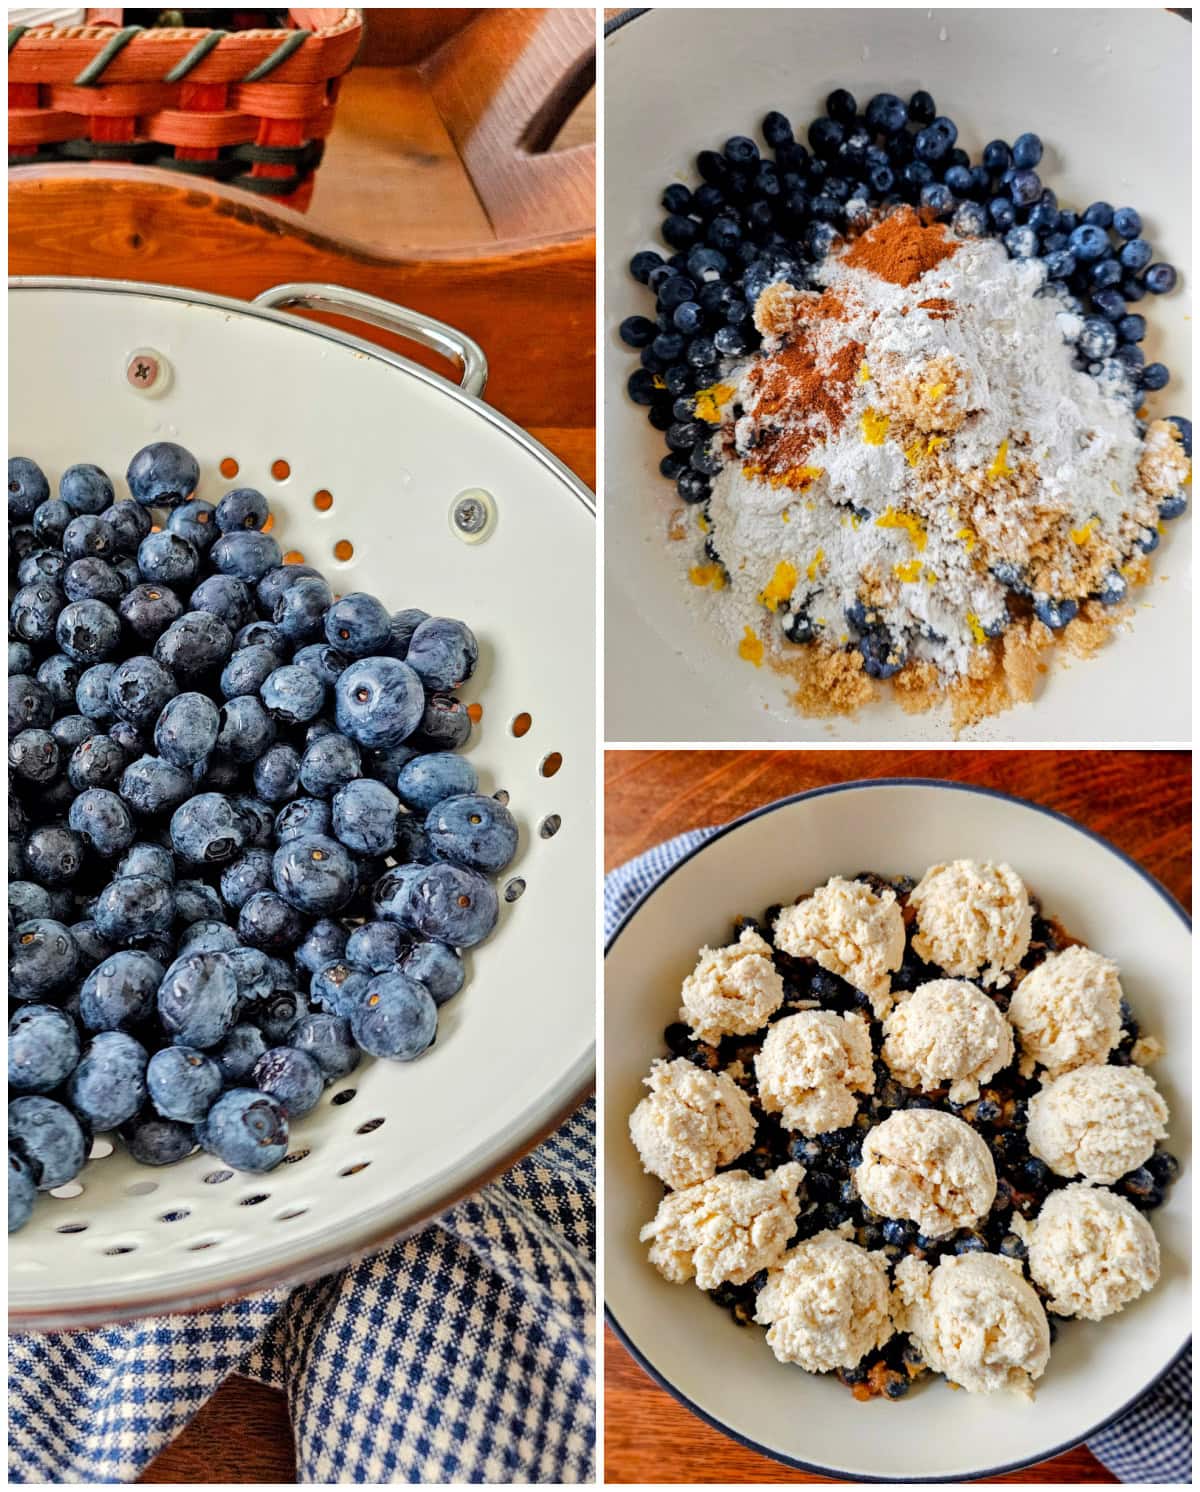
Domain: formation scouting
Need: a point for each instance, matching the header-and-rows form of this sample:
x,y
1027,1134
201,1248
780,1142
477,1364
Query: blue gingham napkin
x,y
465,1353
1152,1442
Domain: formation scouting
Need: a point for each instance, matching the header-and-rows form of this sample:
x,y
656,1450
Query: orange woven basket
x,y
249,107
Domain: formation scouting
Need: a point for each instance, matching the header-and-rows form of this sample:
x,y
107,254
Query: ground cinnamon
x,y
900,248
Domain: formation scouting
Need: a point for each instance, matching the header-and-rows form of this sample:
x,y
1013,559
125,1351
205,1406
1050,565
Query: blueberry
x,y
247,670
20,658
425,780
73,730
314,874
162,475
1126,222
364,815
103,821
336,986
1113,588
158,1142
277,773
292,1077
240,880
93,579
449,904
225,598
245,508
129,523
1098,338
1054,613
197,999
1002,213
395,1017
134,907
34,757
1109,304
109,1085
245,731
1155,376
326,663
1184,427
87,631
329,763
22,1193
1131,328
303,816
166,558
270,923
186,730
380,701
246,1129
88,535
33,612
119,994
148,610
206,830
1099,213
435,965
247,556
473,831
300,611
43,1048
194,521
1135,254
151,786
970,220
30,704
48,1137
886,114
27,487
921,107
375,947
937,199
1025,188
328,1041
1088,242
238,1053
194,645
28,902
1159,279
1026,151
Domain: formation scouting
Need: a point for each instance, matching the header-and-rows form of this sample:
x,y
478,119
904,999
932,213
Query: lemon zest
x,y
874,427
1081,536
907,570
709,401
864,374
977,631
914,452
703,524
814,564
780,587
750,648
936,392
889,518
1000,466
967,535
659,381
705,575
786,515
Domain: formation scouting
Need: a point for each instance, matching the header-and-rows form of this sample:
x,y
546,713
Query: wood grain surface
x,y
1140,800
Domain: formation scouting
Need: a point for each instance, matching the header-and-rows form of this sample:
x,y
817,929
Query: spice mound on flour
x,y
917,484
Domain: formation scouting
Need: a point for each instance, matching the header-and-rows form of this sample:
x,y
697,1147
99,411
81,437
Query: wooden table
x,y
1140,800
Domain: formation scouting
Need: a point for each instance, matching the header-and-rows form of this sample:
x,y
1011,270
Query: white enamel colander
x,y
396,481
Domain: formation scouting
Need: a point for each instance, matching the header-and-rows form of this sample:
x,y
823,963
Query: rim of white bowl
x,y
755,813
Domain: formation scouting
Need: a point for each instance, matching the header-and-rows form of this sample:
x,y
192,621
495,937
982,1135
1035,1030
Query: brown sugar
x,y
900,248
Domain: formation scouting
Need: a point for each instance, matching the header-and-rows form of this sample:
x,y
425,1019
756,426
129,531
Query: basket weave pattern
x,y
249,107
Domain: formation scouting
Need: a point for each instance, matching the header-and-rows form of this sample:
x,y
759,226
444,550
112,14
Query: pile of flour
x,y
1025,406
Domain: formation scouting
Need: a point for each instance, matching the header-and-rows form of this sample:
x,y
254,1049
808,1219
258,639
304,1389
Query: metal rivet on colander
x,y
473,515
148,372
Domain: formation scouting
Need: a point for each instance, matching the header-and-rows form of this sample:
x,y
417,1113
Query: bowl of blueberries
x,y
300,845
898,1421
756,164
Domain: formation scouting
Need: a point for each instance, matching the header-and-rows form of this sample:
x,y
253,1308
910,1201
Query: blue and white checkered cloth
x,y
1152,1442
465,1353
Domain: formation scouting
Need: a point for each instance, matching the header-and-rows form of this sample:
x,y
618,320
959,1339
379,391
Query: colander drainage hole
x,y
73,1228
141,1188
369,1127
501,795
355,1169
550,826
515,889
121,1248
177,1216
343,550
205,1243
255,1199
323,501
344,1096
551,764
280,470
283,1217
214,1178
68,1190
100,1148
521,723
229,467
290,1160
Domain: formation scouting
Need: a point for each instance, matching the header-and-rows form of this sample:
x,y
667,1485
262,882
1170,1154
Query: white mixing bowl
x,y
726,1373
1109,91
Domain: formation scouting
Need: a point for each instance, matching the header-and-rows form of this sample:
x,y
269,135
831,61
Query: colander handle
x,y
427,330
